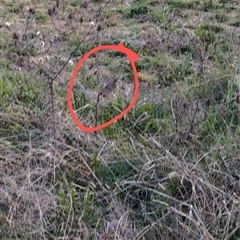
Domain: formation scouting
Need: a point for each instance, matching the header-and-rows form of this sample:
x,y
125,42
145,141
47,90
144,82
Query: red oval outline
x,y
132,58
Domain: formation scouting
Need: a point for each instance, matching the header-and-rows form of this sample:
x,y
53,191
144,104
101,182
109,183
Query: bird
x,y
110,86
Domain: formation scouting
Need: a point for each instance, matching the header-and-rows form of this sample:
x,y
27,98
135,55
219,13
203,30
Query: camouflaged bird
x,y
110,86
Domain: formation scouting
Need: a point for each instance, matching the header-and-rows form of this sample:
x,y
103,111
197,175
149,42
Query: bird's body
x,y
109,87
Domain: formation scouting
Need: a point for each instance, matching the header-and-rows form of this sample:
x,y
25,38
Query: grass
x,y
168,169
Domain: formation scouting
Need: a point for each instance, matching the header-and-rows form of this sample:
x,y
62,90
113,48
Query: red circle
x,y
132,58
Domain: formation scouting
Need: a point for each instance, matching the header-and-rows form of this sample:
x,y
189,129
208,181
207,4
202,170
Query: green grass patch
x,y
207,33
41,18
183,4
135,10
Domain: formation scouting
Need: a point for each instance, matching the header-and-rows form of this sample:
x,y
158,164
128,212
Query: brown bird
x,y
109,87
